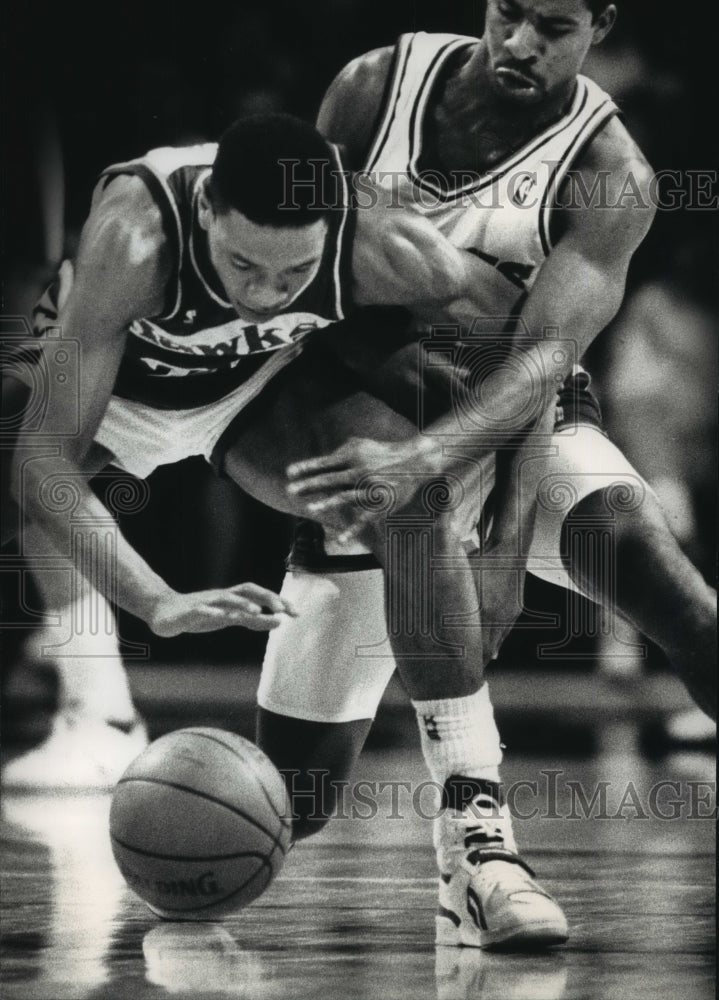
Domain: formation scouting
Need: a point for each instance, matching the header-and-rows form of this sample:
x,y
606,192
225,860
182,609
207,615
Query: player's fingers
x,y
261,623
324,482
331,505
322,463
351,532
267,598
212,619
227,601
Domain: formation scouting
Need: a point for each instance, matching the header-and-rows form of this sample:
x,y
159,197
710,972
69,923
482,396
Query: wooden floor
x,y
351,916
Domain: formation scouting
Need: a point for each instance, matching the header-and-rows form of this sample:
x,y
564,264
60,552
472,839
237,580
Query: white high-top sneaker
x,y
80,753
487,894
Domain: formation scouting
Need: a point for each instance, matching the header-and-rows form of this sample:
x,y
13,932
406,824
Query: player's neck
x,y
474,127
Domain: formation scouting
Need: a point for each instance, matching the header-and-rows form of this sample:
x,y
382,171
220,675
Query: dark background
x,y
84,87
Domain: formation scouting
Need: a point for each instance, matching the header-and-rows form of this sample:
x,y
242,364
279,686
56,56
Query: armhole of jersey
x,y
598,120
344,236
419,106
170,223
393,84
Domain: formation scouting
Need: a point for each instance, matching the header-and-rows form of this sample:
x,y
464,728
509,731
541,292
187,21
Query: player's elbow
x,y
636,199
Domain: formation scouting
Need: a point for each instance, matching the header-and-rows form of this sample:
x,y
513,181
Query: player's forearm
x,y
55,495
490,399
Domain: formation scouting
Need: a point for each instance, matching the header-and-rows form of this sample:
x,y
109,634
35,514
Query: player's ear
x,y
205,208
604,24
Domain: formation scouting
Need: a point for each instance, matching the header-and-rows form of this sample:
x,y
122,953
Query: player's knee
x,y
632,519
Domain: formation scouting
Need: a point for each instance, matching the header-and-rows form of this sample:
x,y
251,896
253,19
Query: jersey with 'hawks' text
x,y
199,350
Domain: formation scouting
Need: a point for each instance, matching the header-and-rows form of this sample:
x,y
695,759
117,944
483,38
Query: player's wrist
x,y
156,610
429,453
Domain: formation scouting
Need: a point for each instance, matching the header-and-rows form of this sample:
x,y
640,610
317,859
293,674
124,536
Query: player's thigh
x,y
584,461
313,406
331,663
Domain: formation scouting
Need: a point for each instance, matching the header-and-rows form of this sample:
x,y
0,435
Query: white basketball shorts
x,y
333,662
141,438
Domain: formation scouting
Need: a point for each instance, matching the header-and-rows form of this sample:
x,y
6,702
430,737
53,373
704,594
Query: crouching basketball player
x,y
200,273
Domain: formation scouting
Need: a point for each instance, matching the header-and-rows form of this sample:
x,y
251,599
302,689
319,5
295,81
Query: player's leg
x,y
317,761
308,411
96,731
324,668
654,585
318,694
600,528
487,894
475,845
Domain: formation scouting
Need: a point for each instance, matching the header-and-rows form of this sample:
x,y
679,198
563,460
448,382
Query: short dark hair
x,y
275,169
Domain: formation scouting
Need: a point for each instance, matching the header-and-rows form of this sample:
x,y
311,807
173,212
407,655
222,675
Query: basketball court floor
x,y
351,915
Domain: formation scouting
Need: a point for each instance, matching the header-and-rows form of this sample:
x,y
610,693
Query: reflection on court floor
x,y
351,916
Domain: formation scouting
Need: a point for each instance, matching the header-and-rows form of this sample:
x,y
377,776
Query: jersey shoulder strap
x,y
417,58
562,149
171,175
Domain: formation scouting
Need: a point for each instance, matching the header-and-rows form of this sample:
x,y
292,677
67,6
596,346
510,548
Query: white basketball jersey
x,y
503,215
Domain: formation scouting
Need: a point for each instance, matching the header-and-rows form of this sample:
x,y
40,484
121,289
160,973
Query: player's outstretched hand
x,y
361,478
245,604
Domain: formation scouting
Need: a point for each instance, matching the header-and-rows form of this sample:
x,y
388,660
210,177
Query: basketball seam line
x,y
204,795
188,857
248,762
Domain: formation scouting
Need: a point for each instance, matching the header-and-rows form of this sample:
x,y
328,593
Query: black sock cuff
x,y
459,791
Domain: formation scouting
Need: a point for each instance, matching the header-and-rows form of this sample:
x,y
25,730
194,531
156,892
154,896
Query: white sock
x,y
459,736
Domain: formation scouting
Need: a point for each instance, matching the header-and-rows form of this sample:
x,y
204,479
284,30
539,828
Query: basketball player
x,y
497,134
199,273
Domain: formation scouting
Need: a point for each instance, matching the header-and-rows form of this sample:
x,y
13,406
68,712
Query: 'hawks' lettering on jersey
x,y
503,215
199,349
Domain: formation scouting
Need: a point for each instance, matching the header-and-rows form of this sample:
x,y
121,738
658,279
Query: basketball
x,y
200,824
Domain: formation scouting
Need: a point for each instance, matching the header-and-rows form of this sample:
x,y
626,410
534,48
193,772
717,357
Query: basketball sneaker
x,y
487,894
80,753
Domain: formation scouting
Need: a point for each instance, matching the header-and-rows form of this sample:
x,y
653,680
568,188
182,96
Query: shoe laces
x,y
481,822
509,876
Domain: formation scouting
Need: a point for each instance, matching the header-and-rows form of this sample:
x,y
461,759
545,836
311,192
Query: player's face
x,y
262,268
536,47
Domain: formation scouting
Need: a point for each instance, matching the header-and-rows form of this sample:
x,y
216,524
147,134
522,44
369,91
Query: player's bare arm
x,y
581,285
119,275
116,278
353,100
400,258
